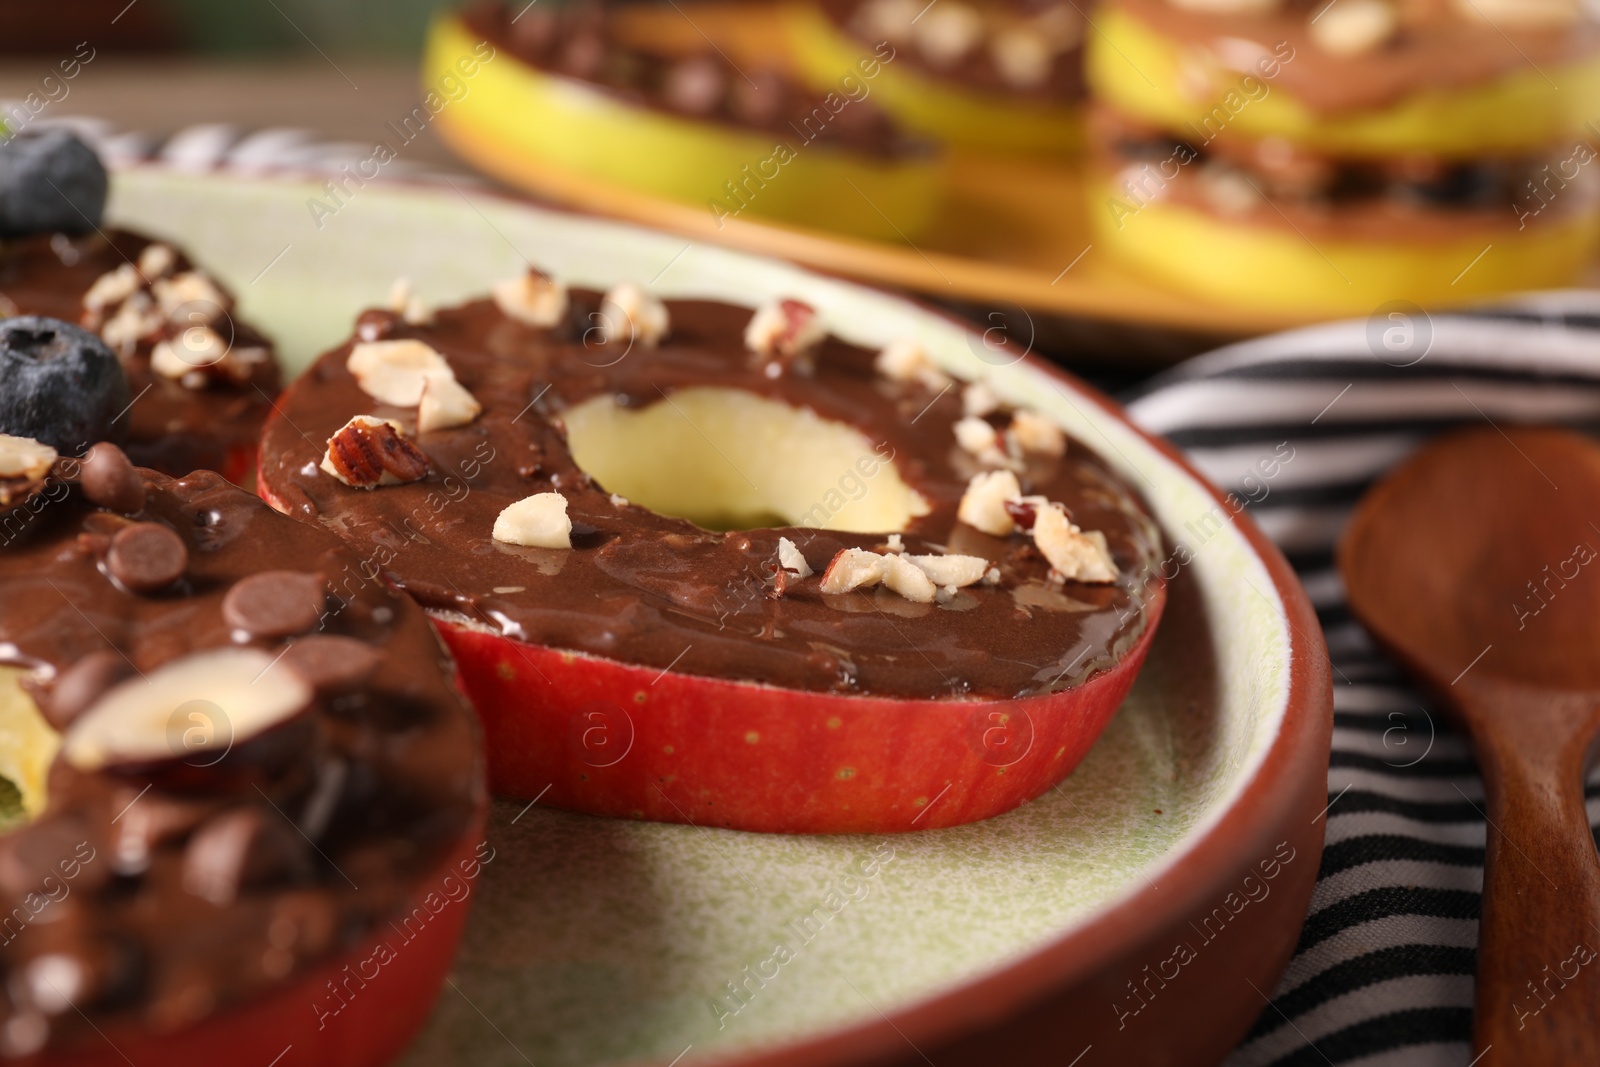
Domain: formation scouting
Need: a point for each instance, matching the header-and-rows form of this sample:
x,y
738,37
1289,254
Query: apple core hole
x,y
727,459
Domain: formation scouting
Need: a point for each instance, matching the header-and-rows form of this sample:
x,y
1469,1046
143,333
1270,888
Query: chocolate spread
x,y
660,592
1436,50
374,784
581,42
976,70
170,426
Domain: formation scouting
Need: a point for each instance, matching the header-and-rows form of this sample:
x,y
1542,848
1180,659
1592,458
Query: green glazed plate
x,y
610,942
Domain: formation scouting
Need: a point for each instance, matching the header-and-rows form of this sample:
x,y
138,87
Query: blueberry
x,y
58,384
50,182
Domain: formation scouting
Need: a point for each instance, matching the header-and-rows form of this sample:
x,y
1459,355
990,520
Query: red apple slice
x,y
610,738
359,1009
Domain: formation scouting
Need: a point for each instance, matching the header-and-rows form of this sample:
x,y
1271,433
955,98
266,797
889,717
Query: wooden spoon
x,y
1477,563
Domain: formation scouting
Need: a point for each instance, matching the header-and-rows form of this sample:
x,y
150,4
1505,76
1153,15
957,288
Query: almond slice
x,y
983,505
445,404
144,720
394,372
368,452
533,299
629,314
1073,554
538,521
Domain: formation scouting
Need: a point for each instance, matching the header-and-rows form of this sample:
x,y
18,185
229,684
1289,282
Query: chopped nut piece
x,y
533,299
445,404
853,568
895,543
978,400
790,558
947,31
134,722
618,500
112,288
403,302
976,436
909,580
1035,433
194,349
1073,554
136,319
983,505
888,20
23,457
955,572
193,293
394,372
157,261
629,314
784,330
1352,27
908,361
539,521
368,452
25,464
1022,56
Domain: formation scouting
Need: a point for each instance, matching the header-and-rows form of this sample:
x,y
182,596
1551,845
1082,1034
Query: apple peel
x,y
609,738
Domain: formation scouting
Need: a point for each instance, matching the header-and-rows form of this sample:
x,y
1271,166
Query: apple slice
x,y
609,738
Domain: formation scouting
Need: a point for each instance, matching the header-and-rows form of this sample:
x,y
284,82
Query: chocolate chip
x,y
240,849
108,478
147,821
81,684
332,663
275,604
147,557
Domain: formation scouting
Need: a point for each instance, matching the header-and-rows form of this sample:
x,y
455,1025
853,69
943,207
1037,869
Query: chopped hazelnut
x,y
952,572
907,361
445,404
368,452
1352,27
1073,554
394,372
983,505
1035,433
790,558
978,400
533,299
538,521
629,314
784,330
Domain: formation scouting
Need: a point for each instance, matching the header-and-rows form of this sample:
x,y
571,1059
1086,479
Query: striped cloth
x,y
1383,974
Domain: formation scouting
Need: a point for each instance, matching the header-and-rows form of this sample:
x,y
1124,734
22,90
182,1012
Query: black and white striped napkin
x,y
1383,975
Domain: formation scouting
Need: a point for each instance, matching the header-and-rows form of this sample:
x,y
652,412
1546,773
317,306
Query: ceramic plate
x,y
1130,915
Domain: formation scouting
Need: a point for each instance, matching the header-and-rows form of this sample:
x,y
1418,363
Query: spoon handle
x,y
1538,991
